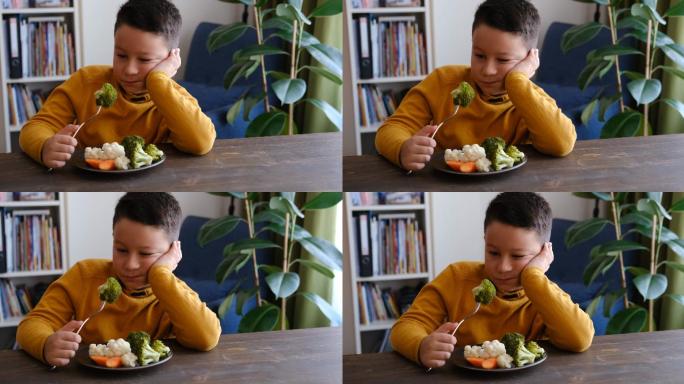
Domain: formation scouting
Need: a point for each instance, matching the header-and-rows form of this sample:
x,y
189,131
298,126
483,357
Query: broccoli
x,y
500,159
105,96
463,95
533,347
485,292
153,151
515,154
110,290
130,144
133,145
515,347
160,347
140,346
491,145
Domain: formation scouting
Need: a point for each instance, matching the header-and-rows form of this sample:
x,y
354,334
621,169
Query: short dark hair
x,y
516,16
160,17
158,209
521,209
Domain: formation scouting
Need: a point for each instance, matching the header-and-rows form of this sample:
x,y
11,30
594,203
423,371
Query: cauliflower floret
x,y
454,155
113,150
504,361
473,152
97,350
129,359
118,347
483,164
473,351
122,162
94,153
494,348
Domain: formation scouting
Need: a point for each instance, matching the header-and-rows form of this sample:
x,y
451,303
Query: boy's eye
x,y
479,56
493,253
121,250
121,56
503,60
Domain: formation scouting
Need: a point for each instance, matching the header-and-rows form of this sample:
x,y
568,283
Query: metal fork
x,y
102,305
477,308
438,127
99,108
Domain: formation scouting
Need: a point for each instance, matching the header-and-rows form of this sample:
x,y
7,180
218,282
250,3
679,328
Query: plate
x,y
78,160
437,161
460,361
83,359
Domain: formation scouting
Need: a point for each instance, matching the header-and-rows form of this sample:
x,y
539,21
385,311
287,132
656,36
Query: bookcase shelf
x,y
368,336
389,87
43,84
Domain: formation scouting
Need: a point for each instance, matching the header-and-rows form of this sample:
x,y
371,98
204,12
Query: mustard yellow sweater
x,y
539,310
166,113
526,115
167,308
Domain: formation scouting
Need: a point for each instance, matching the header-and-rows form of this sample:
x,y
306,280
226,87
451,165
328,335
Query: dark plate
x,y
460,361
437,161
83,359
78,160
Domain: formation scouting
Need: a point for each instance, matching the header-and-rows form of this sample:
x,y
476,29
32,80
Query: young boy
x,y
508,103
146,251
517,230
149,104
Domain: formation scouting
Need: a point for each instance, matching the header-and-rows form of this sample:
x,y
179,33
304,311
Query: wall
x,y
98,17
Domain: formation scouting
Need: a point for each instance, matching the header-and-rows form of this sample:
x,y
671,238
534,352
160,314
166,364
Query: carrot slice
x,y
99,360
475,361
94,163
115,362
107,165
468,167
455,165
489,363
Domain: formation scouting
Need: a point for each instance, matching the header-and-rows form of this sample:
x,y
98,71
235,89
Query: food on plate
x,y
110,290
105,96
145,350
491,155
140,154
485,292
463,95
521,352
511,351
501,156
114,354
131,153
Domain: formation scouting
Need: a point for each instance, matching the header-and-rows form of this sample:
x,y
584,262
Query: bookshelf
x,y
369,335
381,87
56,209
33,83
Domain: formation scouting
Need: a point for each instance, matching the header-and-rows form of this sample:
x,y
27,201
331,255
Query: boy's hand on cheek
x,y
171,258
543,259
436,348
61,346
528,65
171,64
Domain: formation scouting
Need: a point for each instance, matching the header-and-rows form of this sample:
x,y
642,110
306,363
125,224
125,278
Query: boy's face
x,y
508,249
494,54
136,247
136,53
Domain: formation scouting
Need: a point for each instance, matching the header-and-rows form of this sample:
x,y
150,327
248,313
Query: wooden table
x,y
296,356
631,358
623,164
308,162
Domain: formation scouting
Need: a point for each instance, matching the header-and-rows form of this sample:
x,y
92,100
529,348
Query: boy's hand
x,y
62,345
171,258
416,151
58,149
171,64
436,348
528,65
543,259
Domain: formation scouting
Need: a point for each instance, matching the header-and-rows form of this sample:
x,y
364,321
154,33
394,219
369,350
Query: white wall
x,y
89,219
98,17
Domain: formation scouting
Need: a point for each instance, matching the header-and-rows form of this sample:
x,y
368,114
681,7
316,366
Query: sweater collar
x,y
138,293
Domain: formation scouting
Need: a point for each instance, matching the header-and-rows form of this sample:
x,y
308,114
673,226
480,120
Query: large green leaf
x,y
289,91
584,230
591,308
267,124
293,13
645,91
330,112
242,298
323,250
579,35
246,245
676,104
620,246
230,264
675,52
672,70
651,286
605,103
674,265
636,271
330,57
677,206
627,321
323,200
595,68
647,12
225,305
639,218
283,284
237,70
234,110
588,111
596,267
260,319
676,297
217,228
676,246
285,205
257,50
324,307
625,124
270,215
329,8
323,72
320,268
225,35
616,50
676,9
609,301
593,195
652,208
299,232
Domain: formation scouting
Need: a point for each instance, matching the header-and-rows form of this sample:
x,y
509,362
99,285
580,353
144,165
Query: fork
x,y
102,305
99,108
477,308
440,126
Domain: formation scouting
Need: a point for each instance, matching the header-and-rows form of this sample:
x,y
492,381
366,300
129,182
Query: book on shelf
x,y
23,103
14,4
376,304
15,301
30,241
385,3
27,196
360,199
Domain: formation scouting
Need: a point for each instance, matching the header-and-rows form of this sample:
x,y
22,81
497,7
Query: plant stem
x,y
293,75
260,41
618,236
250,225
283,301
613,36
653,246
648,72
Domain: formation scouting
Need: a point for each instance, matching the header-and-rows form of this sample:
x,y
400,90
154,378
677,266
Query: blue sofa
x,y
198,269
204,74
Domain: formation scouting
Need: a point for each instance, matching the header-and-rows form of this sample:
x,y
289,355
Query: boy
x,y
507,104
149,104
517,230
146,252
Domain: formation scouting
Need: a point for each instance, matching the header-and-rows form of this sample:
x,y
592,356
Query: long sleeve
x,y
567,325
190,130
550,131
193,323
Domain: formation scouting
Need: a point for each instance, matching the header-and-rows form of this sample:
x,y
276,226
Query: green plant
x,y
645,218
278,216
285,21
640,21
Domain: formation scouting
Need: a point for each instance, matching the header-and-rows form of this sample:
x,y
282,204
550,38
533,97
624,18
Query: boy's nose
x,y
489,69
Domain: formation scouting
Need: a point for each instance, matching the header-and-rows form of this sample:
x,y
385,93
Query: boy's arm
x,y
567,325
190,129
551,132
194,324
